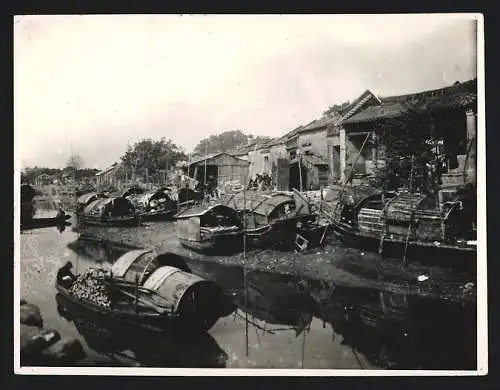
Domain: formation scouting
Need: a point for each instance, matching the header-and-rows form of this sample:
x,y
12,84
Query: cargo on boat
x,y
411,225
148,290
109,212
154,205
272,219
210,229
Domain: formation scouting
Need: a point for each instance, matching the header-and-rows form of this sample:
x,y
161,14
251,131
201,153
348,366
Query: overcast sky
x,y
97,83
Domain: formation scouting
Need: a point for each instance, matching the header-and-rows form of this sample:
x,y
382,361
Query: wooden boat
x,y
271,219
154,205
86,199
409,225
179,348
209,229
110,212
146,292
28,209
39,223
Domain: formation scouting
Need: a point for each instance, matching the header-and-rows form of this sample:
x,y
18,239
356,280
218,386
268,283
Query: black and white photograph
x,y
250,195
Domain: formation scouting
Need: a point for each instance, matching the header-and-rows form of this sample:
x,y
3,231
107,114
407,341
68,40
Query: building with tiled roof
x,y
449,113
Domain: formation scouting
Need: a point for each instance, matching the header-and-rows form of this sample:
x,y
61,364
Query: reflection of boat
x,y
152,291
271,219
209,229
98,251
149,349
276,299
391,222
403,331
109,211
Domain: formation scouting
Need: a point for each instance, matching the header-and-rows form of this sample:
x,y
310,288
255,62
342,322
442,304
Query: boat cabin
x,y
108,208
168,276
262,210
196,221
151,201
420,217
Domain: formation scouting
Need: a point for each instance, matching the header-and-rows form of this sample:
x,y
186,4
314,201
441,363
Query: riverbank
x,y
333,262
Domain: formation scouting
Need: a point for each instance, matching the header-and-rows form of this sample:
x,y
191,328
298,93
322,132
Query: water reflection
x,y
124,345
398,331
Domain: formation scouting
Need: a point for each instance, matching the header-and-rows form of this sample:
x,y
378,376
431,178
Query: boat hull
x,y
123,221
157,216
423,252
150,322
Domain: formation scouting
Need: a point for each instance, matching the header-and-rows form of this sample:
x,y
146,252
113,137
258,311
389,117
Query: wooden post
x,y
206,152
300,171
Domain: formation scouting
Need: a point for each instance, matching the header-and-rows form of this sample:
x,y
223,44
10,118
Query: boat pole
x,y
408,232
351,171
245,284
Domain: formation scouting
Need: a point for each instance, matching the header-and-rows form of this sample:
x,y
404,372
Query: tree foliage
x,y
30,174
336,108
407,148
225,141
152,156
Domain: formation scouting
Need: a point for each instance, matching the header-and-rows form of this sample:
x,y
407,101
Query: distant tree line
x,y
226,141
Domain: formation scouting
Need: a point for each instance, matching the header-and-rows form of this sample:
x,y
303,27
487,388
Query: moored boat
x,y
142,290
86,199
412,226
109,212
154,205
271,220
209,229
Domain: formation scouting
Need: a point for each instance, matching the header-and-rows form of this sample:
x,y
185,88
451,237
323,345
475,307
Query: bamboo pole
x,y
408,232
245,284
351,171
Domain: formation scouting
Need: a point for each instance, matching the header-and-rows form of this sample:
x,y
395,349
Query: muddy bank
x,y
332,262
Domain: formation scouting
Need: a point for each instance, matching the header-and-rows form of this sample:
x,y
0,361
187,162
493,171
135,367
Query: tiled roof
x,y
384,111
458,95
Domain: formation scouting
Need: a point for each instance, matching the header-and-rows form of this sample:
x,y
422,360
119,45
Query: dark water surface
x,y
292,322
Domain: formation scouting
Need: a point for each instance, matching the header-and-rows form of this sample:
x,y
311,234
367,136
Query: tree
x,y
225,141
152,156
407,148
334,109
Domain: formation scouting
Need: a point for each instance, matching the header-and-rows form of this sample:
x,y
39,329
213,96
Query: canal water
x,y
284,321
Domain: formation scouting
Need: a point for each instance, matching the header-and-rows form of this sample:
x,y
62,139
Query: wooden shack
x,y
219,167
